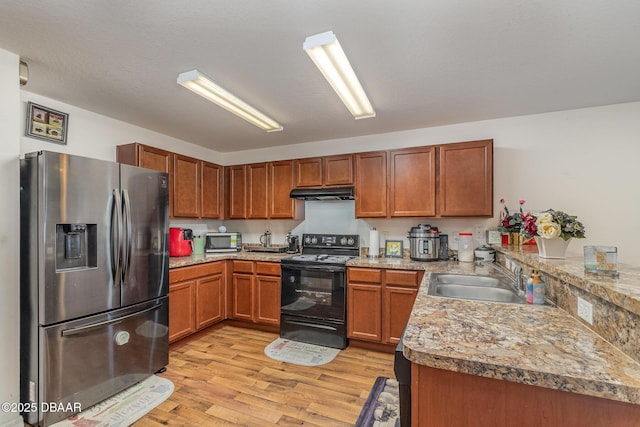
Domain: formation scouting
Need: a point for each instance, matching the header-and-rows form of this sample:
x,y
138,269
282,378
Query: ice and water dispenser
x,y
76,246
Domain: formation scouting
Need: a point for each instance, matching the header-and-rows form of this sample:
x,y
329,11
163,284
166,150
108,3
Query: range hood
x,y
330,193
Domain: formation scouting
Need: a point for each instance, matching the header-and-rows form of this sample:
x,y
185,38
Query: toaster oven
x,y
223,242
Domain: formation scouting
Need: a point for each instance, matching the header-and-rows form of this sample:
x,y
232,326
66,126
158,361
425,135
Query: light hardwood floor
x,y
225,379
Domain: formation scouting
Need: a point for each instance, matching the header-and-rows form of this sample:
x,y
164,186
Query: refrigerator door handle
x,y
86,328
127,241
116,237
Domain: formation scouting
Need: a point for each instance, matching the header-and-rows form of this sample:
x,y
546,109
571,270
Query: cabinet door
x,y
371,185
466,179
280,184
398,303
136,154
242,296
364,306
338,170
211,190
153,158
268,300
181,314
186,187
209,300
412,182
309,172
257,191
236,192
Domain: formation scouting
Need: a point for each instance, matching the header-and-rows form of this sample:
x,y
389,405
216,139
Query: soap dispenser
x,y
535,285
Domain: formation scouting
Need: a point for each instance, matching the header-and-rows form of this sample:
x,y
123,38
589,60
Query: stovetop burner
x,y
326,249
322,258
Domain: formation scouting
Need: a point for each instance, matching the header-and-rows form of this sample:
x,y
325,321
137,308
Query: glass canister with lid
x,y
465,247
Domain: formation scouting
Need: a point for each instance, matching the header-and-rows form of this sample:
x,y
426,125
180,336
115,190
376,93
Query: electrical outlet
x,y
585,310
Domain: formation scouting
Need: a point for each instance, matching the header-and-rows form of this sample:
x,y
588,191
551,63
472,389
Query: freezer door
x,y
145,200
86,361
67,259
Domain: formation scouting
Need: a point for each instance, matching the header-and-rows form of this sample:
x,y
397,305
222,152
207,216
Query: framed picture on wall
x,y
393,248
46,123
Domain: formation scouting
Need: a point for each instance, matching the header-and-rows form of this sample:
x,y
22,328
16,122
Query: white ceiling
x,y
423,62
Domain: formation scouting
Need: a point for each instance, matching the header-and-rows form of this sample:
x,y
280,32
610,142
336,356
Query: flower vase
x,y
552,248
515,238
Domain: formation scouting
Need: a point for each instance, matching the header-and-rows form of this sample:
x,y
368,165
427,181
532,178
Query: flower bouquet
x,y
551,223
512,225
552,231
511,222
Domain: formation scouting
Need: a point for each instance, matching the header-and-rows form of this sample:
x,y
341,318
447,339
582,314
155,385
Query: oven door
x,y
313,291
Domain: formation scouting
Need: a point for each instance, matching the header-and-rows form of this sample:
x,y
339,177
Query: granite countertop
x,y
175,262
534,345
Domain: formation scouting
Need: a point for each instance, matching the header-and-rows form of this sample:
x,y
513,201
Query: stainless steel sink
x,y
482,288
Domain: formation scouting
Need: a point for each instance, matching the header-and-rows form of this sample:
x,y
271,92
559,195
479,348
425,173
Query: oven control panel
x,y
331,240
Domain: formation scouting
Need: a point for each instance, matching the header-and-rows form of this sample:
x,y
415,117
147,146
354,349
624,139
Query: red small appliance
x,y
180,241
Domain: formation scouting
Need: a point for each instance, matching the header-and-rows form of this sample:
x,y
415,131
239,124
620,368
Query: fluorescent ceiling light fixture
x,y
199,83
326,52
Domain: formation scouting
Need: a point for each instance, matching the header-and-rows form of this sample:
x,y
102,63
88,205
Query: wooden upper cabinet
x,y
371,184
236,192
257,191
465,185
280,185
186,186
337,170
329,171
309,172
412,182
211,191
137,154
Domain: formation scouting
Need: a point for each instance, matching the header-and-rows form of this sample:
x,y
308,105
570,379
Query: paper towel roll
x,y
374,243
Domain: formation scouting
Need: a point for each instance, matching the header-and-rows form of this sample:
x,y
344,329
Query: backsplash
x,y
338,216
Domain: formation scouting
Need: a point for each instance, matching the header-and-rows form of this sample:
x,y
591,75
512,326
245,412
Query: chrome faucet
x,y
515,277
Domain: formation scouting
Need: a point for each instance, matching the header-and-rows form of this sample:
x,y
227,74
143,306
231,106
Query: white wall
x,y
96,136
584,162
9,238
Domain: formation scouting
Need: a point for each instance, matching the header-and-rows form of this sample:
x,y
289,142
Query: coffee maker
x,y
293,243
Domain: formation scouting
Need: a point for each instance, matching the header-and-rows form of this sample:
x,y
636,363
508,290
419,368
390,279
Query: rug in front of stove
x,y
300,353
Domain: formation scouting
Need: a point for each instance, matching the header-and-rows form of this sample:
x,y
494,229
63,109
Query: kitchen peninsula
x,y
484,363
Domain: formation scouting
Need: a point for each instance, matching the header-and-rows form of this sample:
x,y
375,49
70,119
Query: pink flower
x,y
522,202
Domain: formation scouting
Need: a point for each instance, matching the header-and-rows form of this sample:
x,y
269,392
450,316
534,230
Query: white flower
x,y
543,218
549,230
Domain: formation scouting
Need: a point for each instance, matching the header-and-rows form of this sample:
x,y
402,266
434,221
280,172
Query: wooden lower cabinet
x,y
196,298
445,398
256,292
209,300
181,309
379,302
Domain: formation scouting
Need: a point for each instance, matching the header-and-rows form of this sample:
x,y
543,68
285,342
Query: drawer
x,y
410,278
364,275
268,268
242,266
194,271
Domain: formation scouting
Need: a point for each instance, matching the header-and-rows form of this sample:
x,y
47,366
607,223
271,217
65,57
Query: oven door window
x,y
313,291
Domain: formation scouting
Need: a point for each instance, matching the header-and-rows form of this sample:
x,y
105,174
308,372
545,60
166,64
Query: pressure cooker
x,y
424,243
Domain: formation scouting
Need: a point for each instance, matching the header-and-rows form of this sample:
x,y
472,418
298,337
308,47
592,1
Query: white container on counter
x,y
465,248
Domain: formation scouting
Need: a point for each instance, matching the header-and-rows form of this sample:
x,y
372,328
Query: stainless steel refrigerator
x,y
94,281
